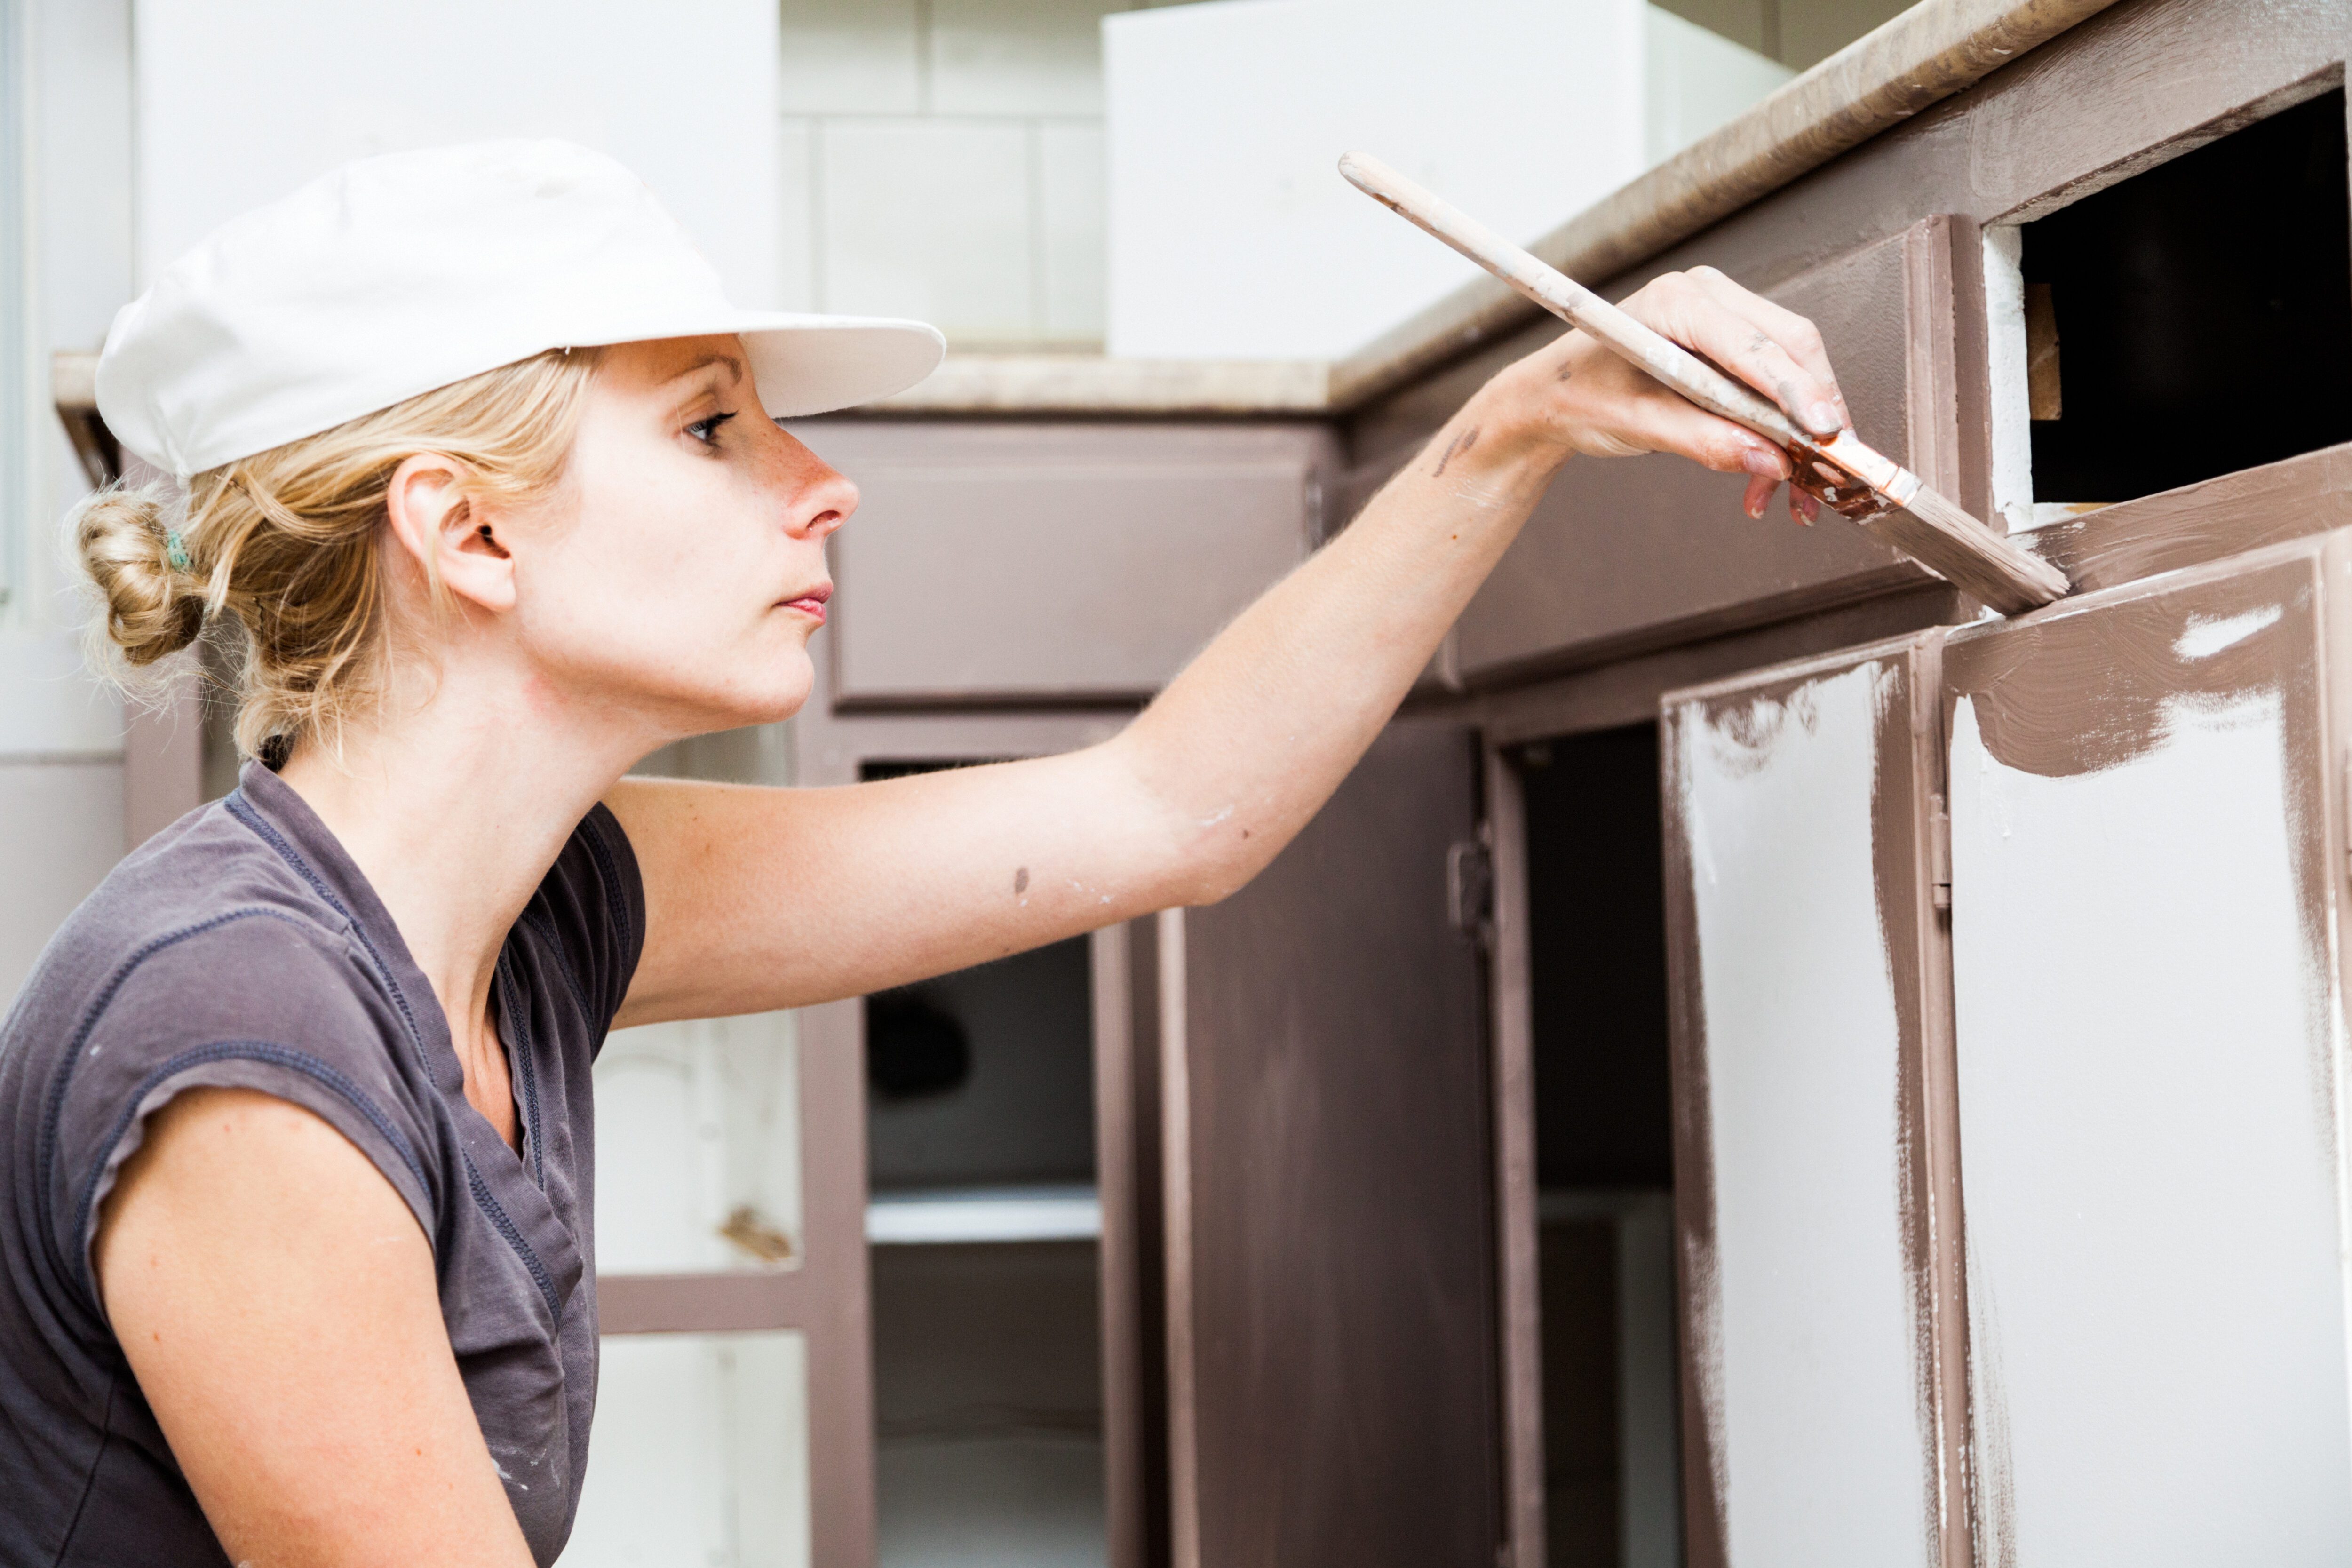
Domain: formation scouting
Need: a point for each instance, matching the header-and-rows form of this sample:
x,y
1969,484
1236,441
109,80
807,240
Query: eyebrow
x,y
734,368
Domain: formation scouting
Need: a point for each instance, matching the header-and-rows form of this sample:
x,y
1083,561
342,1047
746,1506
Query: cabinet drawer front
x,y
1045,563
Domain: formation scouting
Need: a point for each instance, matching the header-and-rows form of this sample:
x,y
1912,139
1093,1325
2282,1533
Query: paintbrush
x,y
1861,484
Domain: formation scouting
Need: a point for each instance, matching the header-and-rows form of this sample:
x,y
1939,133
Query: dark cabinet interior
x,y
986,1274
2193,319
1604,1125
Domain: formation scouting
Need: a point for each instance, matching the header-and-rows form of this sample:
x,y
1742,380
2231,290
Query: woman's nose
x,y
824,505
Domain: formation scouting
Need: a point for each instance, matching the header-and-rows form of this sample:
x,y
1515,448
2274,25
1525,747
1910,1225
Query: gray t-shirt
x,y
242,947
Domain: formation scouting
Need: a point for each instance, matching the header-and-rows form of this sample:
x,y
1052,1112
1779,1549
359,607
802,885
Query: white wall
x,y
1231,236
68,139
240,103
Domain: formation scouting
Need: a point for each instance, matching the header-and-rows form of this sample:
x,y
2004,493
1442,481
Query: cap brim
x,y
814,364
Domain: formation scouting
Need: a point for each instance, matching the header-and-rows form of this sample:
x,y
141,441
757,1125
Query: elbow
x,y
1219,863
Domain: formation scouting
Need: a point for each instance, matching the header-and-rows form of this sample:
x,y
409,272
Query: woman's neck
x,y
454,809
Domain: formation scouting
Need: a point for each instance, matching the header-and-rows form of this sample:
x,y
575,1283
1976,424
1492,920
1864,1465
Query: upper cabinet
x,y
1043,564
1629,554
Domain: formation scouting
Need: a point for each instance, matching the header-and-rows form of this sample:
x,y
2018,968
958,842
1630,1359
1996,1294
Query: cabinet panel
x,y
2150,1074
1812,1107
1631,553
1330,1248
1054,562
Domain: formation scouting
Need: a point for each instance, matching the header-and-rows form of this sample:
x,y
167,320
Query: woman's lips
x,y
812,603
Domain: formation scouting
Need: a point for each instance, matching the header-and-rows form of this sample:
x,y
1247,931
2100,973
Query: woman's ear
x,y
437,525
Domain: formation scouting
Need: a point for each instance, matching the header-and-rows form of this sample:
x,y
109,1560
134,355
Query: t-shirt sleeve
x,y
249,1001
592,907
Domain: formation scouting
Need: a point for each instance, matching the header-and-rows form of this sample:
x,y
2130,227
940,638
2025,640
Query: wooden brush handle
x,y
1572,302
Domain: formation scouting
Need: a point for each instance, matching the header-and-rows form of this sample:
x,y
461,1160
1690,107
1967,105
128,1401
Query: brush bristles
x,y
1970,556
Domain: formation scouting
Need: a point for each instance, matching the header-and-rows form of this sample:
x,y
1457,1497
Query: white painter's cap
x,y
396,275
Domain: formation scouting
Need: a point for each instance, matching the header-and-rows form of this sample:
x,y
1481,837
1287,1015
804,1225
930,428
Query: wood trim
x,y
839,1318
1628,692
1118,1187
719,1302
1518,1287
1938,1131
1176,1164
1931,352
2291,499
1706,1542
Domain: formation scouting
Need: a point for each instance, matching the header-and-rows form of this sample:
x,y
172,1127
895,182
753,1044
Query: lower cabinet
x,y
2010,1067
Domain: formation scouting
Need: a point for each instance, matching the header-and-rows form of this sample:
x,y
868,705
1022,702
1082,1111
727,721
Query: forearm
x,y
1244,746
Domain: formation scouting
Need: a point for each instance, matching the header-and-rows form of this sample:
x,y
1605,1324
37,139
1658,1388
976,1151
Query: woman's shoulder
x,y
204,959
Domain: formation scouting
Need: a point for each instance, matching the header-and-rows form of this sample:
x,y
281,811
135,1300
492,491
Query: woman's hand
x,y
760,898
1588,399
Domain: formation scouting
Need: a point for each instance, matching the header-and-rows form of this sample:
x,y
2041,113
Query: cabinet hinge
x,y
1939,852
1470,889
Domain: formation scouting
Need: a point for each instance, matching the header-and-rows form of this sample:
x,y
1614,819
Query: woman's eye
x,y
704,431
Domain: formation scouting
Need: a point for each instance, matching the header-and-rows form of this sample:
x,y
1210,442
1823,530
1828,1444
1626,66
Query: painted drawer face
x,y
2151,1075
1054,562
1627,554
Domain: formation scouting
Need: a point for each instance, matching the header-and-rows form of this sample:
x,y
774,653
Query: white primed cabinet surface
x,y
2150,1078
1801,1321
700,1456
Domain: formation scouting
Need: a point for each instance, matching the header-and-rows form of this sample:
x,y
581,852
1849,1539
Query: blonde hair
x,y
278,558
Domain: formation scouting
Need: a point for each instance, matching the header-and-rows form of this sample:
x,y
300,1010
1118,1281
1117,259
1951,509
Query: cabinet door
x,y
1329,1241
1814,1189
2151,1071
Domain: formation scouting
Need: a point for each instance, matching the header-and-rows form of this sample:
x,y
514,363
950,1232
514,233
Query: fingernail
x,y
1811,509
1824,419
1761,461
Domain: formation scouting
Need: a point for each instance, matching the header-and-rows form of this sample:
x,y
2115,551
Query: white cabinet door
x,y
1813,1181
2151,1074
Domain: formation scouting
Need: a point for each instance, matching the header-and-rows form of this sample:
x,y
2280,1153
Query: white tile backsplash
x,y
853,57
796,281
930,217
1070,200
1017,56
944,159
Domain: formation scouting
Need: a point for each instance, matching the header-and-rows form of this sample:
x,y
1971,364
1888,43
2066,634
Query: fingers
x,y
1636,415
1773,350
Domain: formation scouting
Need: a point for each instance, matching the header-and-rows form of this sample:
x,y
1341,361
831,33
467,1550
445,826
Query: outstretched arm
x,y
762,899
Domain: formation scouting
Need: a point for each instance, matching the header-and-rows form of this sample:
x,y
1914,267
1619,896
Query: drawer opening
x,y
2188,322
1604,1148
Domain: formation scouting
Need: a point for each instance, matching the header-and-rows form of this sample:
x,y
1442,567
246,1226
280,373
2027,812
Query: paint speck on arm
x,y
1214,818
1020,881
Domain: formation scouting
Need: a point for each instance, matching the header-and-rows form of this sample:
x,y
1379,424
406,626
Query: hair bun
x,y
153,609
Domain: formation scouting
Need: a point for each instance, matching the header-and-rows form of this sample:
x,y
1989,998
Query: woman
x,y
481,471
